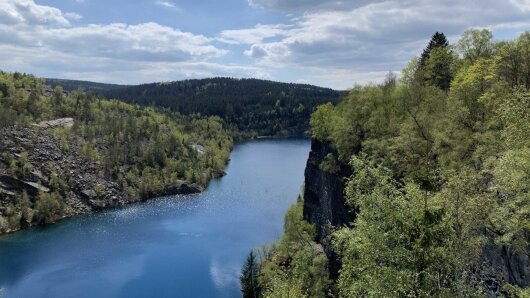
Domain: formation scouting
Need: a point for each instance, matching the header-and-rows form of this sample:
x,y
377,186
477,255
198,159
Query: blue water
x,y
178,246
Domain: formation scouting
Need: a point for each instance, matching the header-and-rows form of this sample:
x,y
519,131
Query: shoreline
x,y
165,193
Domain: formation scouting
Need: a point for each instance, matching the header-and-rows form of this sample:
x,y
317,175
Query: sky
x,y
330,43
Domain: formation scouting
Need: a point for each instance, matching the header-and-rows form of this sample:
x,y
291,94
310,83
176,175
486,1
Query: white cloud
x,y
73,16
23,24
252,35
361,42
142,42
41,39
167,4
333,43
523,5
28,12
309,5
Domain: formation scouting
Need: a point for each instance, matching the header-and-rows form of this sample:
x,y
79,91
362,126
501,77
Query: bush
x,y
48,208
4,225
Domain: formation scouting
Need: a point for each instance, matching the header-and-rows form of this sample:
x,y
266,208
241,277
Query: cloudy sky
x,y
329,43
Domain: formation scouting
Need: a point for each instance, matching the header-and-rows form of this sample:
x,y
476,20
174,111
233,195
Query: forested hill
x,y
253,107
75,85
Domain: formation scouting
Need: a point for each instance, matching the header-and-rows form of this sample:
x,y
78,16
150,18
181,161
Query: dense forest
x,y
86,86
139,151
440,163
252,107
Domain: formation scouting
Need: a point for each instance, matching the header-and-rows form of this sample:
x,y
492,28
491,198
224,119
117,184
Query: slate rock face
x,y
9,183
324,204
90,188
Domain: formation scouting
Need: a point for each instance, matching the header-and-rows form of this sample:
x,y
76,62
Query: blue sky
x,y
332,43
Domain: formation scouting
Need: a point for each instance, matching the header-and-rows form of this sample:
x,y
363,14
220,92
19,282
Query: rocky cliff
x,y
33,161
324,206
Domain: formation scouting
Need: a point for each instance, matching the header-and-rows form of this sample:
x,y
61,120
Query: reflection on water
x,y
185,246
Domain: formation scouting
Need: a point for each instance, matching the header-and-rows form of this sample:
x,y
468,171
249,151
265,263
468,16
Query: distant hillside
x,y
72,85
255,107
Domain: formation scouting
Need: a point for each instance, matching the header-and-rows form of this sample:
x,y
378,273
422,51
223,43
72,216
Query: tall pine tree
x,y
438,40
436,62
249,277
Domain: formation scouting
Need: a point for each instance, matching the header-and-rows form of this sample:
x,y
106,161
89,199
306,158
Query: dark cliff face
x,y
324,204
500,265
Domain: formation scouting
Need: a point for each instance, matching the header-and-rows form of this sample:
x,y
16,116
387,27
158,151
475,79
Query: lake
x,y
177,246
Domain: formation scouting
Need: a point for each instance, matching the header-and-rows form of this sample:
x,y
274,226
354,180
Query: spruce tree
x,y
438,40
249,277
436,62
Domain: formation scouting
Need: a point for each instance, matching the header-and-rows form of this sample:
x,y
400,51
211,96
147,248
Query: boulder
x,y
89,194
66,122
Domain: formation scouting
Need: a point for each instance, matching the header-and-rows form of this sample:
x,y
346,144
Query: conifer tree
x,y
436,62
249,277
438,40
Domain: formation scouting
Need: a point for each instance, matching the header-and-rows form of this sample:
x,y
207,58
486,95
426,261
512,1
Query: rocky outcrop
x,y
500,265
180,187
66,122
88,186
12,184
324,204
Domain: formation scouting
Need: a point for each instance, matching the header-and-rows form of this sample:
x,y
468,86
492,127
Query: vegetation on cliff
x,y
139,152
440,165
295,266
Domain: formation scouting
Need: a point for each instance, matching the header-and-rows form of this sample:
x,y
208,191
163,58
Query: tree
x,y
24,204
438,40
297,266
400,245
58,96
513,61
249,277
475,44
437,70
48,207
321,122
436,61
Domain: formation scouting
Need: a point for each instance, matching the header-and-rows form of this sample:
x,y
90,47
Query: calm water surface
x,y
178,246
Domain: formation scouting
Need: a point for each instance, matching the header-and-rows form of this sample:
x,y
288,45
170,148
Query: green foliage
x,y
24,206
438,40
21,168
159,144
252,107
512,175
249,277
439,68
475,44
330,164
516,292
296,267
513,61
85,86
403,241
4,224
451,142
321,123
48,208
436,64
